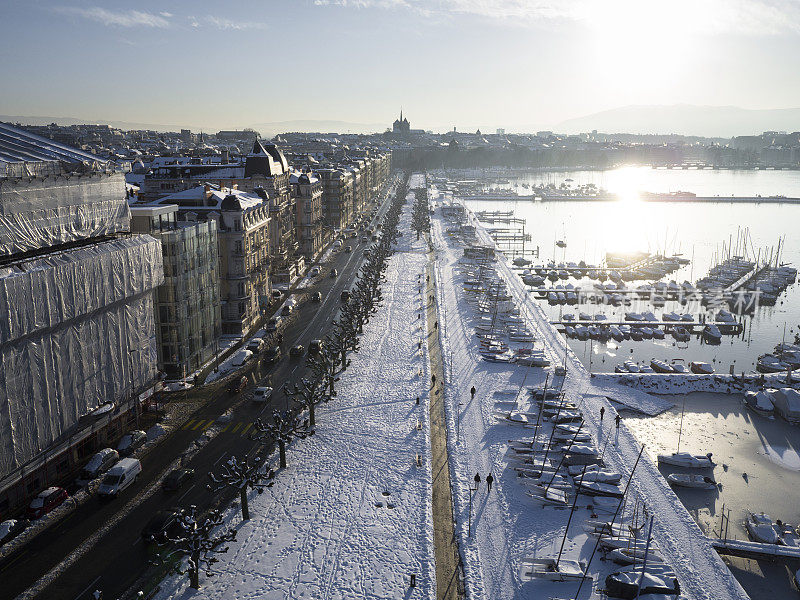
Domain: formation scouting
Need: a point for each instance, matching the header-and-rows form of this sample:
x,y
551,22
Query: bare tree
x,y
196,539
242,474
309,393
324,364
284,428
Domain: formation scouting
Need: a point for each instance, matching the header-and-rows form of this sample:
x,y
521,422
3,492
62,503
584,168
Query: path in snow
x,y
509,525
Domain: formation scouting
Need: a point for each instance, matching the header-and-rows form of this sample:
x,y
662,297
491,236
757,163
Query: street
x,y
119,556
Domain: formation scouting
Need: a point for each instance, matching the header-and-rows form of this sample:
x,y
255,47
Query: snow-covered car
x,y
46,502
131,441
241,357
255,345
273,323
316,296
11,529
99,464
297,351
262,394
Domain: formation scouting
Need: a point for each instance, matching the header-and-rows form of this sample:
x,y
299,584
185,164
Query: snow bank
x,y
685,383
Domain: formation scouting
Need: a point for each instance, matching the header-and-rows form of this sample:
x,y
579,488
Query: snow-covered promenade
x,y
507,524
350,517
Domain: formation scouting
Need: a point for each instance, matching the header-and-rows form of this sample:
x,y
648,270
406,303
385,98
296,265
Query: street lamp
x,y
472,490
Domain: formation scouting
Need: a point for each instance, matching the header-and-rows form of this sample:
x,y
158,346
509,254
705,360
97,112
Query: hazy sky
x,y
487,63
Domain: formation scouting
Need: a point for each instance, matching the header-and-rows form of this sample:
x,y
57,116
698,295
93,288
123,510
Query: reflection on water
x,y
698,231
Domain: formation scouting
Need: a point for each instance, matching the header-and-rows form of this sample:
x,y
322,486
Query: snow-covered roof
x,y
215,198
18,145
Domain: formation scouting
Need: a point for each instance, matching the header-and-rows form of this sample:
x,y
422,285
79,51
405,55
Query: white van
x,y
121,475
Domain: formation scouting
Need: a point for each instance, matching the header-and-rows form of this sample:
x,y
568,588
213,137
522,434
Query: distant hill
x,y
312,125
686,119
31,120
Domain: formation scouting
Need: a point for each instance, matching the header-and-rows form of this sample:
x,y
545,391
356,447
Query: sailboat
x,y
685,459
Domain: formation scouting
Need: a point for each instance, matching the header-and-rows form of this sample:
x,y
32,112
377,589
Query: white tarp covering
x,y
39,213
76,330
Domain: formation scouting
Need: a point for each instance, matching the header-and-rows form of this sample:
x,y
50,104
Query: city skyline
x,y
464,63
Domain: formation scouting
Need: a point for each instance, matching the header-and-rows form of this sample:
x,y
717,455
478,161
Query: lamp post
x,y
472,490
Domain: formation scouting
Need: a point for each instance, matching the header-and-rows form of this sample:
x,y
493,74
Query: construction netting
x,y
76,331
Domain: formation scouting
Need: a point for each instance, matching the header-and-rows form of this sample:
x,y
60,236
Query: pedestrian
x,y
602,412
617,419
477,480
472,392
436,325
489,480
433,379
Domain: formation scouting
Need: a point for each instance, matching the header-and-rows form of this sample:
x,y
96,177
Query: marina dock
x,y
755,550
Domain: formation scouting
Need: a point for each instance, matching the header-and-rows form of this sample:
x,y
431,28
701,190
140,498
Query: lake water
x,y
758,467
695,230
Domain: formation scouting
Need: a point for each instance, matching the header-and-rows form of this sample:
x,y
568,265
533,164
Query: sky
x,y
518,64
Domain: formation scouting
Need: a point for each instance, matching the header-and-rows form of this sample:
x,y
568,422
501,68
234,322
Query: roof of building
x,y
218,199
18,145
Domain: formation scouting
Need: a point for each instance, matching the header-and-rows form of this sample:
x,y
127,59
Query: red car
x,y
46,501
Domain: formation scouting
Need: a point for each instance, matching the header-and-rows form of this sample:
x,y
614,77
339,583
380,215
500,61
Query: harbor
x,y
625,333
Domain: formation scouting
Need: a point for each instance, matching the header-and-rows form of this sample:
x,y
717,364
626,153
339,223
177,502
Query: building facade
x,y
187,305
337,197
307,194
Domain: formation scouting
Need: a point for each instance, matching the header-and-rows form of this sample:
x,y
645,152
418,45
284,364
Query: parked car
x,y
364,239
273,354
297,351
11,529
255,345
163,525
316,296
348,248
334,272
314,271
99,464
287,309
237,385
277,295
273,323
177,478
46,502
262,394
131,441
314,346
121,475
345,296
241,357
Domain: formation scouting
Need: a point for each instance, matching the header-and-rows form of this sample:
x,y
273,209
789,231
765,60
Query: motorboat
x,y
631,366
659,366
759,402
636,334
686,459
700,368
670,316
646,369
761,529
712,334
693,480
658,334
647,333
552,570
725,316
681,335
620,369
536,358
616,333
678,366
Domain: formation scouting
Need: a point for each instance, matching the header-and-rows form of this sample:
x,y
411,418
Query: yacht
x,y
678,366
681,335
658,334
769,363
659,366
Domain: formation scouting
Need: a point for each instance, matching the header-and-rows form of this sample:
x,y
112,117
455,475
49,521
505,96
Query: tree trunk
x,y
344,360
194,572
311,414
282,451
245,507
